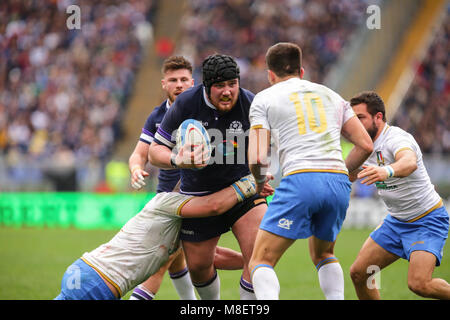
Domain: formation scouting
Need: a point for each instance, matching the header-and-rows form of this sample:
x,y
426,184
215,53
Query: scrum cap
x,y
218,68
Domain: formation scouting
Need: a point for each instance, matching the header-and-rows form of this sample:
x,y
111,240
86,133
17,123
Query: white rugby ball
x,y
193,132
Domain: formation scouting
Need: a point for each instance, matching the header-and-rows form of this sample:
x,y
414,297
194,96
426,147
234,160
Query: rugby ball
x,y
193,132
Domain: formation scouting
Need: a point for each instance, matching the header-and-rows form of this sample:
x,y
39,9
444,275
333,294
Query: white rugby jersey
x,y
305,120
411,197
143,244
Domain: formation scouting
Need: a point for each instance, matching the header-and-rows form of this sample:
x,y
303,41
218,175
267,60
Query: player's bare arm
x,y
258,156
355,132
405,164
221,201
136,163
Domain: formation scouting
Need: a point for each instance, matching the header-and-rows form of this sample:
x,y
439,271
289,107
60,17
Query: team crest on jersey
x,y
235,127
380,159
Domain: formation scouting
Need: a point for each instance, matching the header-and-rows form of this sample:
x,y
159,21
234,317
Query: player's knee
x,y
200,266
357,274
419,286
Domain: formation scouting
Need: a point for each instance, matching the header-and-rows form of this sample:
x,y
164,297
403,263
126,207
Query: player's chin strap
x,y
245,187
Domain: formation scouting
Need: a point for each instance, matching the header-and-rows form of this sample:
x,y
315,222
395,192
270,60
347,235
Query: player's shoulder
x,y
196,92
393,132
398,137
158,112
323,89
246,94
168,202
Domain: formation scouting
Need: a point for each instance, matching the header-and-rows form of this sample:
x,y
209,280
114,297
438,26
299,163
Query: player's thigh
x,y
246,228
421,266
371,255
269,248
200,254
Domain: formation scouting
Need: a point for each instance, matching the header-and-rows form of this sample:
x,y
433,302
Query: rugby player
x,y
306,121
144,243
177,77
416,226
222,106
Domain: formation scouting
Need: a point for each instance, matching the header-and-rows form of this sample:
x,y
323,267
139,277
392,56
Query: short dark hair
x,y
284,59
176,63
373,101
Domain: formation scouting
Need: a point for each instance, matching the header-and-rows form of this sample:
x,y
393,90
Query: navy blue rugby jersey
x,y
228,133
167,179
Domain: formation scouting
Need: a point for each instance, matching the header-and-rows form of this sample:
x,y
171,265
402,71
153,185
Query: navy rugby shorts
x,y
202,229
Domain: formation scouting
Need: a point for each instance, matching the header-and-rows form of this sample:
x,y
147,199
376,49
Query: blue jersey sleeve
x,y
149,130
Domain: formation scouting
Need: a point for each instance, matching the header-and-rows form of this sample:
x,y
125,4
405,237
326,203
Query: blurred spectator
x,y
246,28
66,89
425,111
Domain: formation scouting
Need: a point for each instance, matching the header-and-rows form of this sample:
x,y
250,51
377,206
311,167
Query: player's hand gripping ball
x,y
192,132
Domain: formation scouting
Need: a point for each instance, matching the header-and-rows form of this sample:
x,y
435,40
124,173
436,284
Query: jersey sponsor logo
x,y
285,223
382,185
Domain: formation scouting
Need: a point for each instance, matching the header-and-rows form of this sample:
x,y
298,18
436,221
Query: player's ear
x,y
270,76
302,72
163,84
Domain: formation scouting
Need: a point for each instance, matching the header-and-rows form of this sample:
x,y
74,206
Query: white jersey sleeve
x,y
305,120
143,244
410,197
258,113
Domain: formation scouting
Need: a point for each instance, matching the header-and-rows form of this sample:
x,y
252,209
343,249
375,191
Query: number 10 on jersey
x,y
315,112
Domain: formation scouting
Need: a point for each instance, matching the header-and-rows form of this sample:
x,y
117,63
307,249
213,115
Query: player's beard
x,y
172,97
372,131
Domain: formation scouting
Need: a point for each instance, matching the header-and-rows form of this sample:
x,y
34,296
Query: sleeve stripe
x,y
164,134
146,138
401,149
182,205
147,132
164,141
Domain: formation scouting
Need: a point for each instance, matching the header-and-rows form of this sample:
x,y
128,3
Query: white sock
x,y
246,291
183,285
331,278
209,290
265,283
142,293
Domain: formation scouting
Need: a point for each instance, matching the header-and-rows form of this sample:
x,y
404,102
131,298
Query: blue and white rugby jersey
x,y
228,133
142,245
305,120
167,179
407,198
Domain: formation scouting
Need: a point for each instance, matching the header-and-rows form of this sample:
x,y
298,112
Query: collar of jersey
x,y
383,133
205,97
167,104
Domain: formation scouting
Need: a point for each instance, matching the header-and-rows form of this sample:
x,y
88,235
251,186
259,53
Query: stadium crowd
x,y
425,111
62,91
244,28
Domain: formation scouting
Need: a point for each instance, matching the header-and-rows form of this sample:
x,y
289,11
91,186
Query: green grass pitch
x,y
33,260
